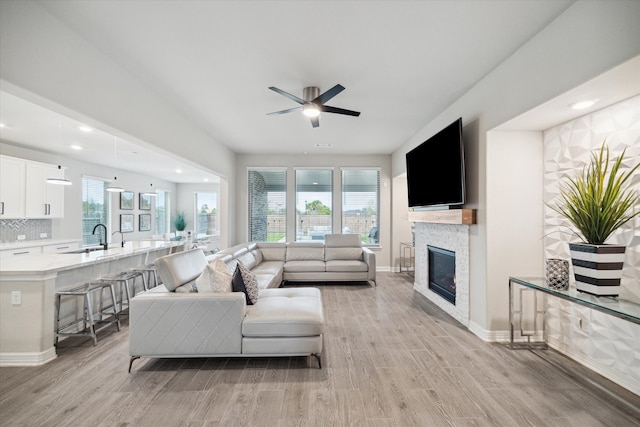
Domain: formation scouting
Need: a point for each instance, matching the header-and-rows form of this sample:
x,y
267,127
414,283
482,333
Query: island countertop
x,y
33,264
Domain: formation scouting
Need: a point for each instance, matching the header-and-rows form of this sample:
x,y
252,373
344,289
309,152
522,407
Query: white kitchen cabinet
x,y
60,247
12,187
43,200
21,251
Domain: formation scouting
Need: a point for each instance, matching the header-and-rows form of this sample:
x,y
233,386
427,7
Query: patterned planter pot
x,y
597,268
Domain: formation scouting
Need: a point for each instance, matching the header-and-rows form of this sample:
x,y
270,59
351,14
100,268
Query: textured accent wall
x,y
607,344
454,238
10,229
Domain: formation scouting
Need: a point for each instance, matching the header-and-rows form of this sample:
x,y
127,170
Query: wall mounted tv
x,y
435,170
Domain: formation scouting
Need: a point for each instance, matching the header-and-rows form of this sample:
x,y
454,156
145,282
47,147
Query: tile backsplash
x,y
10,229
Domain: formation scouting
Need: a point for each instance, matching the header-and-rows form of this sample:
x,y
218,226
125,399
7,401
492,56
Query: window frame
x,y
281,201
94,240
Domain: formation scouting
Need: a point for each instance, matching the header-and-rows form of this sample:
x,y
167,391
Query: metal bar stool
x,y
148,268
86,292
125,279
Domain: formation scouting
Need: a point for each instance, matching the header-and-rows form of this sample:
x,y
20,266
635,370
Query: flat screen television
x,y
435,170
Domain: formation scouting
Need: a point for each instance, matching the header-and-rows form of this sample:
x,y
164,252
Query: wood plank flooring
x,y
390,359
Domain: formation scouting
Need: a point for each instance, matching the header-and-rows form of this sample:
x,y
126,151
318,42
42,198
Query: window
x,y
206,213
361,203
314,191
267,205
162,212
95,209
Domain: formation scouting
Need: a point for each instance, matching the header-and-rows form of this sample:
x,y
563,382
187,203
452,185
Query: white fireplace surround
x,y
454,238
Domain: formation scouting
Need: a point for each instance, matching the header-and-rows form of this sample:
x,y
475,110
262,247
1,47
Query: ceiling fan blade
x,y
328,109
315,121
288,95
289,110
321,99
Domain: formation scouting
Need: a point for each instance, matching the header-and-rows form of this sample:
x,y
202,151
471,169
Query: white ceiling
x,y
402,62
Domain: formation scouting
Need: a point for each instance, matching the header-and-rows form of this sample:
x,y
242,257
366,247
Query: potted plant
x,y
598,201
180,222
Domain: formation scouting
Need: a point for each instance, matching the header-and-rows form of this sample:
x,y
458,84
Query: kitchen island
x,y
28,284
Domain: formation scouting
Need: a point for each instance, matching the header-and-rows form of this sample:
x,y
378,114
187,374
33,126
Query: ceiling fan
x,y
312,103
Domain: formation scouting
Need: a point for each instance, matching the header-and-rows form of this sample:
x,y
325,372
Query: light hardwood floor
x,y
391,358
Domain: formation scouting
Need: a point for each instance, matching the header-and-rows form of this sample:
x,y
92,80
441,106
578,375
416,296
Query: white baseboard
x,y
384,269
27,359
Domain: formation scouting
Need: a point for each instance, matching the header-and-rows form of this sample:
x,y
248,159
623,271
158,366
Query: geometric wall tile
x,y
601,339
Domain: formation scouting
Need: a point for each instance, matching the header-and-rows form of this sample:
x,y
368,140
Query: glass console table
x,y
536,335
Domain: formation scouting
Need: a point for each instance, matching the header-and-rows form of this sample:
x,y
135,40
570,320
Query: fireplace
x,y
442,272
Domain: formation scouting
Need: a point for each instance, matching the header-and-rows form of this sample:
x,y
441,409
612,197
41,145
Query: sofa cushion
x,y
346,265
298,251
248,260
268,267
304,266
292,312
342,240
257,255
351,253
273,251
182,267
264,281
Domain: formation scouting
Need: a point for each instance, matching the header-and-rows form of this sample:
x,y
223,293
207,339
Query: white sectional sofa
x,y
168,324
172,320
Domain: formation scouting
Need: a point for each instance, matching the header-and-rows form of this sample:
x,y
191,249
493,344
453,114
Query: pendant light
x,y
151,191
114,187
56,180
59,181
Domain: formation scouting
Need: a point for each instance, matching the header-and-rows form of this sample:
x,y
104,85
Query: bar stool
x,y
148,268
125,279
87,291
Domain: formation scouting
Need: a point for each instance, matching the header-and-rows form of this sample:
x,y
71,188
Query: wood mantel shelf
x,y
445,216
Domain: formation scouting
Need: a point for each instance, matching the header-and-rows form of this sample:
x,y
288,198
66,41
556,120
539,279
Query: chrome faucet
x,y
122,237
105,245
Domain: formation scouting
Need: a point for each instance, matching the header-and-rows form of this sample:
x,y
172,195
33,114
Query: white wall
x,y
514,217
71,225
245,161
589,38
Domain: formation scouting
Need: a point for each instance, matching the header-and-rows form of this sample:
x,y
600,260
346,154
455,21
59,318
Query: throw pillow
x,y
219,278
237,284
250,283
214,278
203,282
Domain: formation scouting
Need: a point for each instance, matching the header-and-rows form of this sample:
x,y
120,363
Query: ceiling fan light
x,y
311,111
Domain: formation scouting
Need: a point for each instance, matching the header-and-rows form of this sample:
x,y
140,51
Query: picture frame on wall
x,y
127,223
144,202
126,200
144,222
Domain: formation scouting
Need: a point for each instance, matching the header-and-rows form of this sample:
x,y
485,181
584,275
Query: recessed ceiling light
x,y
2,125
76,147
84,128
581,105
178,170
206,180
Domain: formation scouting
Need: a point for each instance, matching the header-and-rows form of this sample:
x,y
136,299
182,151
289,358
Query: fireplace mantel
x,y
444,216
